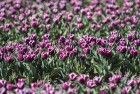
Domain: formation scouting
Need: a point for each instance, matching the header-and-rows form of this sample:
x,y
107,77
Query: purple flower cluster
x,y
53,14
74,85
81,31
29,50
66,47
33,47
43,14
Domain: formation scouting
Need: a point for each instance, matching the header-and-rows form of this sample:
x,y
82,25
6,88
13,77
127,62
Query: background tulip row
x,y
76,84
48,39
20,18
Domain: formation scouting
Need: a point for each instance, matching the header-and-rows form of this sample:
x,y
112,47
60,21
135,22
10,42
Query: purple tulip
x,y
73,52
71,36
112,39
9,59
34,86
137,92
62,40
98,80
131,83
77,9
35,24
10,87
29,57
2,83
20,57
101,42
106,20
72,76
69,48
91,84
62,5
126,90
136,42
69,17
72,91
66,85
122,49
10,48
86,50
105,52
132,36
63,55
51,92
115,79
48,87
44,55
51,50
112,86
20,84
80,25
82,78
103,92
138,81
133,52
46,37
3,91
123,42
85,46
28,91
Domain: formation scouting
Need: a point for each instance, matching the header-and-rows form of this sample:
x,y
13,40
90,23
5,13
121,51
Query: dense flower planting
x,y
77,83
49,39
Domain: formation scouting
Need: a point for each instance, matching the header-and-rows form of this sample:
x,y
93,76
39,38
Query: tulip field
x,y
69,46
